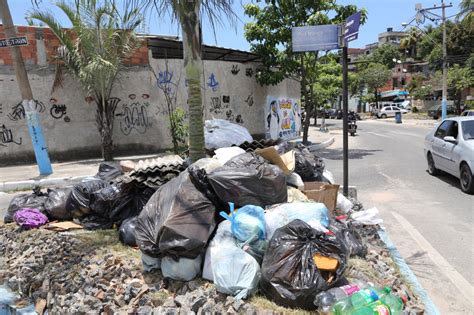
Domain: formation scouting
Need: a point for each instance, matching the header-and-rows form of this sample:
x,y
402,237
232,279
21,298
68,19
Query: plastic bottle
x,y
326,299
393,302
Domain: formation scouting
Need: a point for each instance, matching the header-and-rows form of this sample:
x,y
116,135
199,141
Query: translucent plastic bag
x,y
223,238
369,216
247,223
343,203
235,272
225,154
183,269
220,133
313,213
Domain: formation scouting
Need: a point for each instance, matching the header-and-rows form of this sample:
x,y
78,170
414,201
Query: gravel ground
x,y
91,272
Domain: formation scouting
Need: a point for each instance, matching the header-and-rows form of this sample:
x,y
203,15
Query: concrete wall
x,y
230,91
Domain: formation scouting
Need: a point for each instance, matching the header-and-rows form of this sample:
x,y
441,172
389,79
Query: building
x,y
391,37
230,91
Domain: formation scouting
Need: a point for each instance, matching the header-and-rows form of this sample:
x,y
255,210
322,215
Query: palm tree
x,y
409,42
189,13
466,10
94,50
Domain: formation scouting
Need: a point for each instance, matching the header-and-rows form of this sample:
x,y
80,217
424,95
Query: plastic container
x,y
326,299
370,300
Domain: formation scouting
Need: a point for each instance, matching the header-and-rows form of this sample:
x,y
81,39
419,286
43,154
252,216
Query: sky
x,y
381,15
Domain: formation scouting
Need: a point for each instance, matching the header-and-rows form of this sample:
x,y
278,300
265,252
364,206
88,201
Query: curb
x,y
430,307
321,145
45,182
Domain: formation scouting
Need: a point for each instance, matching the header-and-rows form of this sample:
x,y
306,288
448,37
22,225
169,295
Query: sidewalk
x,y
412,122
24,177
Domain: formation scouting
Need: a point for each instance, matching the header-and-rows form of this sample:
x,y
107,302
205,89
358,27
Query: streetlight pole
x,y
445,69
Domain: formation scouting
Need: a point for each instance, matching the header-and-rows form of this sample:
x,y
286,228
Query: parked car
x,y
435,111
450,148
468,112
389,111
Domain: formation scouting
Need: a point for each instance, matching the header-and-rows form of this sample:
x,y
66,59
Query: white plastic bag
x,y
368,217
223,238
328,175
295,180
208,164
225,154
235,272
185,269
313,213
220,133
343,203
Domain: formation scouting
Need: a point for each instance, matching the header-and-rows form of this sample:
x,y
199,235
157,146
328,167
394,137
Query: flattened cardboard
x,y
322,192
286,162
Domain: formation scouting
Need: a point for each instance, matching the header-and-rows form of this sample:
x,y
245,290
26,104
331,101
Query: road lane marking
x,y
448,270
378,134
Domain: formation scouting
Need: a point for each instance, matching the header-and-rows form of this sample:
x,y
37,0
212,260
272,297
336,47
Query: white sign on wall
x,y
283,118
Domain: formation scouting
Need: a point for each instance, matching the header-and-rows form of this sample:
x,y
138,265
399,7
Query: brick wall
x,y
36,34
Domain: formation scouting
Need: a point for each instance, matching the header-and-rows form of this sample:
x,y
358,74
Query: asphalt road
x,y
429,219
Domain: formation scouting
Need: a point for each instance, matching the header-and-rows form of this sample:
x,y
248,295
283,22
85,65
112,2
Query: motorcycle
x,y
351,123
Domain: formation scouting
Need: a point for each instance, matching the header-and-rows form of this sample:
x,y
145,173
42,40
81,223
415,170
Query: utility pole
x,y
421,14
345,105
31,115
445,66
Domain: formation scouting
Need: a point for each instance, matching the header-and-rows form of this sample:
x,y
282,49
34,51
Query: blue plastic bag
x,y
247,222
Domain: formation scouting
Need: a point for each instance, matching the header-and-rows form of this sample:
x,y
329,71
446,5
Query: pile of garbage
x,y
269,222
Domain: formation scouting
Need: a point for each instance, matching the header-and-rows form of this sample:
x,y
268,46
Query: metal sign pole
x,y
345,105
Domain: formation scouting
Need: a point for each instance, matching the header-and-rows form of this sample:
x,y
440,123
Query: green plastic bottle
x,y
393,302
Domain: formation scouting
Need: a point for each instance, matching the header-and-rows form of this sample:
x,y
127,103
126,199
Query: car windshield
x,y
468,129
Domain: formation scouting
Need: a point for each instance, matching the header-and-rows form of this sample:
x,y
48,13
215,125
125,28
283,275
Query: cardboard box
x,y
322,192
286,162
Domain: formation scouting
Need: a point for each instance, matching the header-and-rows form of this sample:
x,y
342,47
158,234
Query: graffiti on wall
x,y
134,116
249,72
249,100
58,111
283,118
1,109
216,106
235,70
18,111
6,137
212,83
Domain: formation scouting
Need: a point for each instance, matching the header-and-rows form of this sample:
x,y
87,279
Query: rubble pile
x,y
269,230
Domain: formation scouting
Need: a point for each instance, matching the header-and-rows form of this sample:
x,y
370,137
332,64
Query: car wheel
x,y
432,170
466,179
383,115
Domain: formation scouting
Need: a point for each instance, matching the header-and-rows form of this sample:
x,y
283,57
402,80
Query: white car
x,y
389,111
449,147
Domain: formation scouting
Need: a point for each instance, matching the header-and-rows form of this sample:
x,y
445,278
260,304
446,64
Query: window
x,y
468,129
453,131
443,129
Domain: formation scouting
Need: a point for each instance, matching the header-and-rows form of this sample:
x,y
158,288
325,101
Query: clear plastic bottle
x,y
326,299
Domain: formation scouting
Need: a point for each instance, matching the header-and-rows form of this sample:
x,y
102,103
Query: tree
x,y
385,55
189,13
409,43
374,77
269,36
459,78
94,50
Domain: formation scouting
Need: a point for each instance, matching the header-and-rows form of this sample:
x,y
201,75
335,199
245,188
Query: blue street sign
x,y
317,37
351,27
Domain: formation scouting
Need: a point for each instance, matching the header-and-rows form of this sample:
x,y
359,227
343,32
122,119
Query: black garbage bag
x,y
127,232
177,221
289,274
349,237
96,222
79,200
35,200
56,203
248,179
309,166
109,171
118,202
